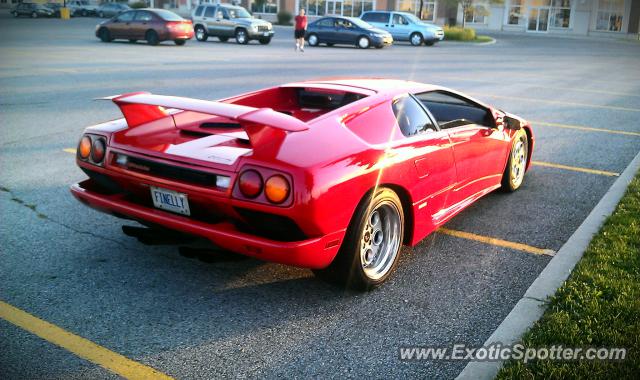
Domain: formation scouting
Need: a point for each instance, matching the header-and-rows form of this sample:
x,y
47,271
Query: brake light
x,y
97,151
84,148
277,189
250,183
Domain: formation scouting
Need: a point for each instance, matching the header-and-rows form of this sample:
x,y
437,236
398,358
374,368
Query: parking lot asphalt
x,y
73,267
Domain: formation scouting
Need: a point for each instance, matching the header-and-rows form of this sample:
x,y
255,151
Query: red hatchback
x,y
151,25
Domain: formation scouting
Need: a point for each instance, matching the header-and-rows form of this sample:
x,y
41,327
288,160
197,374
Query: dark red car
x,y
332,175
151,25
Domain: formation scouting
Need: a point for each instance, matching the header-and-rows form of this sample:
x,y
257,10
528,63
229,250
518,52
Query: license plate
x,y
170,200
266,34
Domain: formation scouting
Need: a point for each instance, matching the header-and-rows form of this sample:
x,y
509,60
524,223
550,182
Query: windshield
x,y
168,15
360,23
238,13
412,18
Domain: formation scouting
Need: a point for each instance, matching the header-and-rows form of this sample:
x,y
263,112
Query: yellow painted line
x,y
497,242
575,168
70,150
556,102
589,129
80,346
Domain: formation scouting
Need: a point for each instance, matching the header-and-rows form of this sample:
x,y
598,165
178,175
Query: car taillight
x,y
277,189
98,149
84,148
250,183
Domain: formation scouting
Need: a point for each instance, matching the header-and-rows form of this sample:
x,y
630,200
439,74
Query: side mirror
x,y
511,123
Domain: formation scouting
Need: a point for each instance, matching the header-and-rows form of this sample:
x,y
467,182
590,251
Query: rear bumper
x,y
312,253
179,35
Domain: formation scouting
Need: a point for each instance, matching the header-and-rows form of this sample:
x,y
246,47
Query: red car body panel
x,y
331,158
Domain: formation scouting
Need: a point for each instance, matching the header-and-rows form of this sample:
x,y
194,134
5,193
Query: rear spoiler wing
x,y
142,107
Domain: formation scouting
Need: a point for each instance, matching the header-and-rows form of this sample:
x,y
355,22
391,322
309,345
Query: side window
x,y
412,119
225,13
399,20
368,17
210,12
143,16
199,11
451,110
126,17
326,22
376,17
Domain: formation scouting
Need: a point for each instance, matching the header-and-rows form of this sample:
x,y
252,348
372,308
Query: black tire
x,y
34,15
363,42
201,33
314,40
152,37
513,176
104,35
379,46
265,41
101,14
223,39
416,39
242,37
14,14
429,43
84,13
347,267
180,42
132,40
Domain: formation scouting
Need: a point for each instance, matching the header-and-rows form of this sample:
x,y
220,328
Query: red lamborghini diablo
x,y
332,175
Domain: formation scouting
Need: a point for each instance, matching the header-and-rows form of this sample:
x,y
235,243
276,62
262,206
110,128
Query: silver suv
x,y
225,21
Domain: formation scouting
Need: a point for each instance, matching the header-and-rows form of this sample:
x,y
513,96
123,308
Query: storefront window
x,y
516,9
269,6
349,8
560,13
413,6
609,16
477,14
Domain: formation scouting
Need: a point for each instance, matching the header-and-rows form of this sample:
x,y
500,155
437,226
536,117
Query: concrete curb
x,y
533,304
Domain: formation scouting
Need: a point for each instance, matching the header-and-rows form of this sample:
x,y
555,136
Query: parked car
x,y
152,25
405,26
226,21
32,10
333,175
55,7
346,31
111,9
82,8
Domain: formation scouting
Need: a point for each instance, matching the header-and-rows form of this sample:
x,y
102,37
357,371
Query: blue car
x,y
405,26
346,31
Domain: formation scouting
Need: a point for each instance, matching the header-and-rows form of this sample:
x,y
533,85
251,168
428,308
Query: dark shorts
x,y
299,33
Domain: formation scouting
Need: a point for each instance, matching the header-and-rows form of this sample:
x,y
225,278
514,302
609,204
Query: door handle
x,y
386,24
204,18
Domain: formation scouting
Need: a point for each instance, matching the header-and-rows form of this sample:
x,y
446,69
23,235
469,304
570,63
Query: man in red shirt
x,y
300,29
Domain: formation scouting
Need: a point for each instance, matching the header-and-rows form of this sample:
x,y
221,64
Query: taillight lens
x,y
277,189
84,148
97,151
250,183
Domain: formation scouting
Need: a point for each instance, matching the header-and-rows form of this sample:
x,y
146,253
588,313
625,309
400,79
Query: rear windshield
x,y
328,100
168,15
